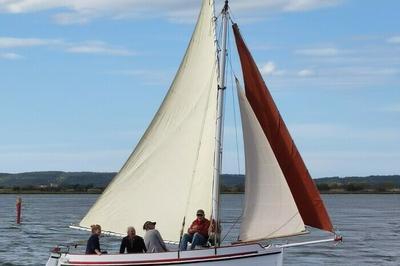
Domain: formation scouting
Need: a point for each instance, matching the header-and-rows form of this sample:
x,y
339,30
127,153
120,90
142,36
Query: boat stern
x,y
53,260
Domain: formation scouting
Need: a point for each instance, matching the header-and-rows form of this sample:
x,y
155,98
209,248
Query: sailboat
x,y
175,168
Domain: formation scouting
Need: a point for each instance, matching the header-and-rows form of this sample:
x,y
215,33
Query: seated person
x,y
93,243
152,238
197,233
213,236
132,243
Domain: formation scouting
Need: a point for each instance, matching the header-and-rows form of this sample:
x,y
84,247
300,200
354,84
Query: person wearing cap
x,y
132,243
152,238
197,232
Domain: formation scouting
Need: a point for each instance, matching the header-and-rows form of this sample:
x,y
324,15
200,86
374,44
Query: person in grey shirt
x,y
152,238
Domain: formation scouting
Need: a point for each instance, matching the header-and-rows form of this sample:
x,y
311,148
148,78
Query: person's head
x,y
149,225
200,215
96,229
131,231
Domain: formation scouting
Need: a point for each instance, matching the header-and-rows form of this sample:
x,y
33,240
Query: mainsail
x,y
304,191
169,175
269,207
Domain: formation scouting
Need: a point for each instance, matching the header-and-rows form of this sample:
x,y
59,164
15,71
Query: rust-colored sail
x,y
303,189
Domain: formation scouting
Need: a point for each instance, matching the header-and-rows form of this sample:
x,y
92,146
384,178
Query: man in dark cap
x,y
197,233
152,238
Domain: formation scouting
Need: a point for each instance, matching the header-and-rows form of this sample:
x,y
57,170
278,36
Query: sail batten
x,y
169,174
304,191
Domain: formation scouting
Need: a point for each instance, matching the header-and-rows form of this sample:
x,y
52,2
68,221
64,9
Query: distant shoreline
x,y
59,182
37,192
47,192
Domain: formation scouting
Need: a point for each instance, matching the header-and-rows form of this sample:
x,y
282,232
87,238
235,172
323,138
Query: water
x,y
370,225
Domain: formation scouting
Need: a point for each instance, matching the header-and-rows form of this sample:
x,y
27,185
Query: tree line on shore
x,y
90,182
239,188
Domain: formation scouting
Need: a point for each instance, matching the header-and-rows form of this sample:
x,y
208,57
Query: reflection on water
x,y
370,225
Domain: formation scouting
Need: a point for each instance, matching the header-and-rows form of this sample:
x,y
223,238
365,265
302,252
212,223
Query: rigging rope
x,y
232,226
235,100
232,76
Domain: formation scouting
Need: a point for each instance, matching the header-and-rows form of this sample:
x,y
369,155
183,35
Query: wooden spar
x,y
336,239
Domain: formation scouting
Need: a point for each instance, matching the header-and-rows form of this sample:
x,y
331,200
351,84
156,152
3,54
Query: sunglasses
x,y
199,214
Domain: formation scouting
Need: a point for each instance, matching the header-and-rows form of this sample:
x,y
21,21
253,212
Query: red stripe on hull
x,y
176,261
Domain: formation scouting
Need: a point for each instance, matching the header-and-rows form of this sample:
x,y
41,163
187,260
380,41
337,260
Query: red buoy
x,y
19,205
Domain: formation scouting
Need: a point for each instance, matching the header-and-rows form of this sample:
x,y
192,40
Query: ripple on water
x,y
369,224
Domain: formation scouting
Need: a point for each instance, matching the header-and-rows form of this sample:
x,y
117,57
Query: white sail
x,y
169,175
269,208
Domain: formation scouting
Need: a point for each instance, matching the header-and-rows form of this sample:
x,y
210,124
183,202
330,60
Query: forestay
x,y
169,175
269,207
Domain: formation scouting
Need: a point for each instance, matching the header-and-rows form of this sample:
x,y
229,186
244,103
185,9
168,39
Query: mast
x,y
220,109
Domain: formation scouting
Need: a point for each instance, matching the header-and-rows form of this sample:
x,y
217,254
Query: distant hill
x,y
392,181
372,179
55,178
229,182
96,179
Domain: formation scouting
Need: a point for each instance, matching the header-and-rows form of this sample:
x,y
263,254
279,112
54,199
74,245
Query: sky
x,y
81,80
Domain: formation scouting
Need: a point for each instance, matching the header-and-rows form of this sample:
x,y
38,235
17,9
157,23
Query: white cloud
x,y
87,47
329,76
10,56
318,52
363,68
282,5
306,73
22,6
96,47
11,42
268,69
78,11
394,39
304,5
368,71
395,108
71,18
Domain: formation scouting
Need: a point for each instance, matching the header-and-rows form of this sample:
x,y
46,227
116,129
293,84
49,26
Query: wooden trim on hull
x,y
180,261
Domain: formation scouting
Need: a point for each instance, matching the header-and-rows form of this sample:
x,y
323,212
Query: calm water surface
x,y
370,225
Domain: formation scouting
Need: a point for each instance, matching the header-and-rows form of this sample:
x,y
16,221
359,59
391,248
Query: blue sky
x,y
81,80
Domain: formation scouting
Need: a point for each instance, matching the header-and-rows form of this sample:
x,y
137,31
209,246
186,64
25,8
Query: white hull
x,y
252,254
